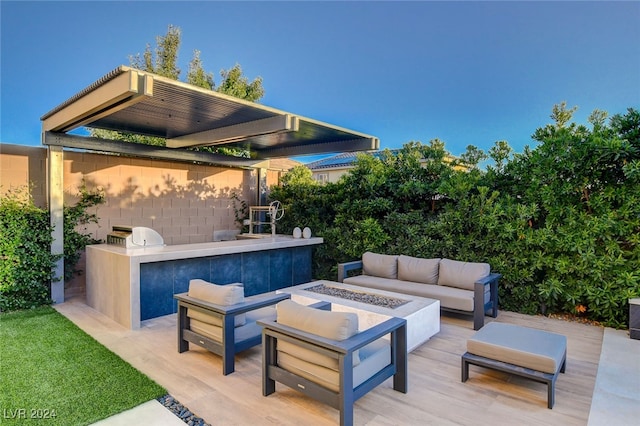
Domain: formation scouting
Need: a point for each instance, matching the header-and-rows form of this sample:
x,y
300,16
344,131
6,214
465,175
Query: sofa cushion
x,y
388,284
380,265
418,270
327,324
449,297
463,275
224,295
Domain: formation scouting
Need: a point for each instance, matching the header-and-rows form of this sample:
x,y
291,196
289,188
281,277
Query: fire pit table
x,y
374,306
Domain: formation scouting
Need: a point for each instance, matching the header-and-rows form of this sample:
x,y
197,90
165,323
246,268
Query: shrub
x,y
25,248
561,222
75,238
27,267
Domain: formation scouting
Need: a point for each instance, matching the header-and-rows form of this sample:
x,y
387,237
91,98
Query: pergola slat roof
x,y
134,101
130,100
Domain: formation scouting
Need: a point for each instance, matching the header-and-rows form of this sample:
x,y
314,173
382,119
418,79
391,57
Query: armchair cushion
x,y
331,325
462,275
418,270
328,324
211,331
380,265
224,295
373,358
204,324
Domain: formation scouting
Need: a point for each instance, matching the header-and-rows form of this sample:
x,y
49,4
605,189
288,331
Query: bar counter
x,y
133,285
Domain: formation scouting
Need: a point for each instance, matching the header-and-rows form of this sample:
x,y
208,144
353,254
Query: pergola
x,y
139,102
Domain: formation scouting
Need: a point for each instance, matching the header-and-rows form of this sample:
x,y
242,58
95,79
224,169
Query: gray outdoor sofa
x,y
465,287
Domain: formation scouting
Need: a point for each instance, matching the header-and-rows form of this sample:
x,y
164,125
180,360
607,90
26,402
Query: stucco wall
x,y
184,202
333,175
24,165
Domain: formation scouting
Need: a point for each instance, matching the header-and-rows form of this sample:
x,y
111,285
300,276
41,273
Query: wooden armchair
x,y
322,355
220,319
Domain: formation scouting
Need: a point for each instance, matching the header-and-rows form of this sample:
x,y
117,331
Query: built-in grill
x,y
134,237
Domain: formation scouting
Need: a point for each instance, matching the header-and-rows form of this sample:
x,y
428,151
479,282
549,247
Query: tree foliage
x,y
164,59
561,221
76,218
235,83
197,76
298,177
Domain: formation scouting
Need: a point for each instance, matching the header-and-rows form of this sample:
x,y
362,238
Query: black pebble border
x,y
181,411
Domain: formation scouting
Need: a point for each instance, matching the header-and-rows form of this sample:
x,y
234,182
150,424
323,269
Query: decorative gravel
x,y
370,298
181,411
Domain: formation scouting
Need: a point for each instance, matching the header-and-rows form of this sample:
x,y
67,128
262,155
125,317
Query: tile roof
x,y
345,159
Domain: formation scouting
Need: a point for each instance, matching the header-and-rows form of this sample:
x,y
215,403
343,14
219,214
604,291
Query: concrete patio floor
x,y
616,396
601,385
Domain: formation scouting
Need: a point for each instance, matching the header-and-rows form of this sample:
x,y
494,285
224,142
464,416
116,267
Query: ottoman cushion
x,y
530,348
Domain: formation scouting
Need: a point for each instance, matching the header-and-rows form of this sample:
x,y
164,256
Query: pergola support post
x,y
56,206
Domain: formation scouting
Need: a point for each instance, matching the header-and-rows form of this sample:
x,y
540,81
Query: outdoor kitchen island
x,y
136,284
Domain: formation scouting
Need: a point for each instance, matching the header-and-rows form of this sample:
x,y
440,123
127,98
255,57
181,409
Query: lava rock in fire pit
x,y
370,298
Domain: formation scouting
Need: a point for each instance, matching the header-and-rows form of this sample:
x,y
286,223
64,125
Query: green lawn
x,y
51,369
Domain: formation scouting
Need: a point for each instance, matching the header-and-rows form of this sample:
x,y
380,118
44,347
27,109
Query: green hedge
x,y
25,249
561,221
26,270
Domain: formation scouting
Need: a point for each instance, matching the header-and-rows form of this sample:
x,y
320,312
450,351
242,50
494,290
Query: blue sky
x,y
468,73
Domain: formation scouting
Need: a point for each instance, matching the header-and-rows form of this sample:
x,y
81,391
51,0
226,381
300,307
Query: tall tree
x,y
234,83
165,62
197,76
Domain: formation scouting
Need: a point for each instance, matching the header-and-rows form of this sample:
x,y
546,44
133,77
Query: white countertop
x,y
218,248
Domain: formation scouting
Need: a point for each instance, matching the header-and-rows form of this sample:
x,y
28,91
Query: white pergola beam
x,y
55,169
124,90
237,132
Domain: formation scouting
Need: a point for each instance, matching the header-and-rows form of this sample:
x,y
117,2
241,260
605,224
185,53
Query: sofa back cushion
x,y
380,265
454,273
327,324
418,270
225,295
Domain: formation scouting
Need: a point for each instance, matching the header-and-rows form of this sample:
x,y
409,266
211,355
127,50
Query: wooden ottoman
x,y
535,354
